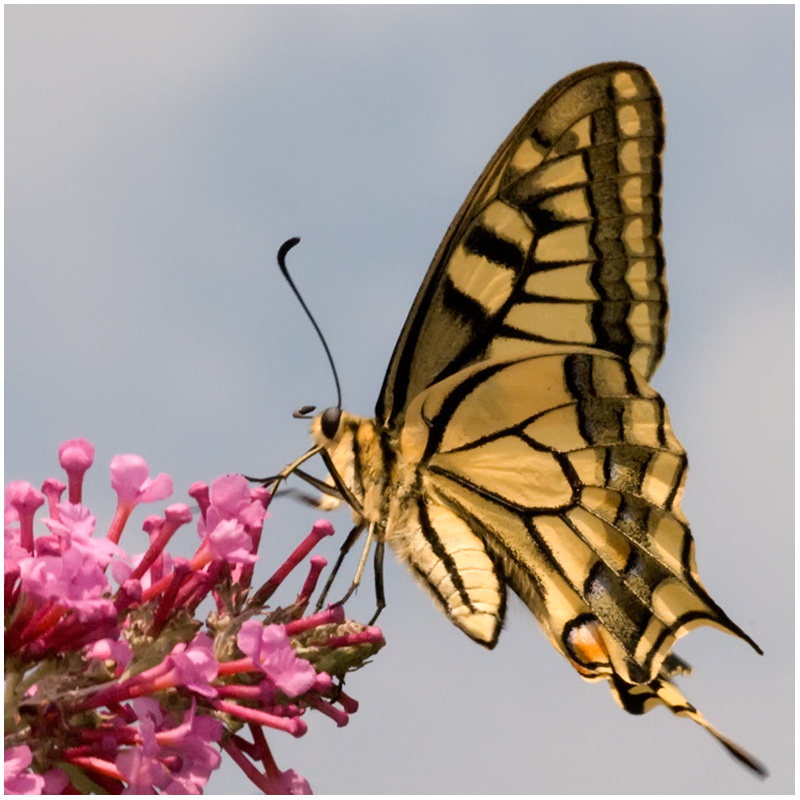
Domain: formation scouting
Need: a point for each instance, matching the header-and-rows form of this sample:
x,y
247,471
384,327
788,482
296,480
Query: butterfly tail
x,y
637,699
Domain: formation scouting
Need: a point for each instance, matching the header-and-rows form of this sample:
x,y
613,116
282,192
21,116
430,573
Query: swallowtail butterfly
x,y
517,443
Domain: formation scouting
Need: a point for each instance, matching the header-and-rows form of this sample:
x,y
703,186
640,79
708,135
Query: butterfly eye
x,y
330,421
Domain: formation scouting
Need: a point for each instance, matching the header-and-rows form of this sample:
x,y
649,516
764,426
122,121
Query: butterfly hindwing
x,y
558,242
573,485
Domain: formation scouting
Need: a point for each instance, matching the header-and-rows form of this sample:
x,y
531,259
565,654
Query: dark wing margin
x,y
557,243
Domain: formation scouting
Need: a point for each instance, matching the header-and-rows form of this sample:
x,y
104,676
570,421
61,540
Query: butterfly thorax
x,y
365,460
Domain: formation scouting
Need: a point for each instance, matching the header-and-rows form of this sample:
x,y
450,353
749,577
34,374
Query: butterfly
x,y
517,443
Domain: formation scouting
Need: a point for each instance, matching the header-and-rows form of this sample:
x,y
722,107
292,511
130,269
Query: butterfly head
x,y
329,421
351,449
328,427
325,427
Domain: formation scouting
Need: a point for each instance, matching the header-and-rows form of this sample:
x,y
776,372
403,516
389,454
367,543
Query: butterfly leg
x,y
351,539
361,564
325,489
380,596
339,483
274,481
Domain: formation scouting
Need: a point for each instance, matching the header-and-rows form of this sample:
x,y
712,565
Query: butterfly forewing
x,y
558,242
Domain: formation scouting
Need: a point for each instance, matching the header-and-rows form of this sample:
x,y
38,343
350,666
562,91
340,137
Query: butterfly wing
x,y
558,241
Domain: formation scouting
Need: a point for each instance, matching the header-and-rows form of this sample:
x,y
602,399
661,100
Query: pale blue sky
x,y
157,156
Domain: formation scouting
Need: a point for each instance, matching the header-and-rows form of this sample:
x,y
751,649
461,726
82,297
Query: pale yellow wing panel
x,y
558,242
450,560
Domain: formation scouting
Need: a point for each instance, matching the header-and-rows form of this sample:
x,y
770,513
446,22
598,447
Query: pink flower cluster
x,y
118,690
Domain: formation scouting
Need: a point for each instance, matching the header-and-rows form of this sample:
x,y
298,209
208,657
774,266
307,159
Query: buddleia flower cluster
x,y
113,683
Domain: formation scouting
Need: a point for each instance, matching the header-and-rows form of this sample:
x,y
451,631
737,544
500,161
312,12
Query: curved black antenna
x,y
284,249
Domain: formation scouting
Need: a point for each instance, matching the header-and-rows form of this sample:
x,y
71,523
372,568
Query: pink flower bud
x,y
75,457
200,492
52,489
24,499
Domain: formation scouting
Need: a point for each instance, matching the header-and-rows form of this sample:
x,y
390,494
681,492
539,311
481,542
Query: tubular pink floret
x,y
118,523
260,744
75,457
52,489
131,481
227,539
195,589
279,782
238,665
43,621
349,704
373,635
333,615
75,636
144,683
178,514
287,710
152,525
262,692
317,564
271,650
292,725
190,666
229,493
254,525
24,499
339,716
180,569
200,493
99,765
118,651
175,516
319,531
323,683
232,749
251,749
